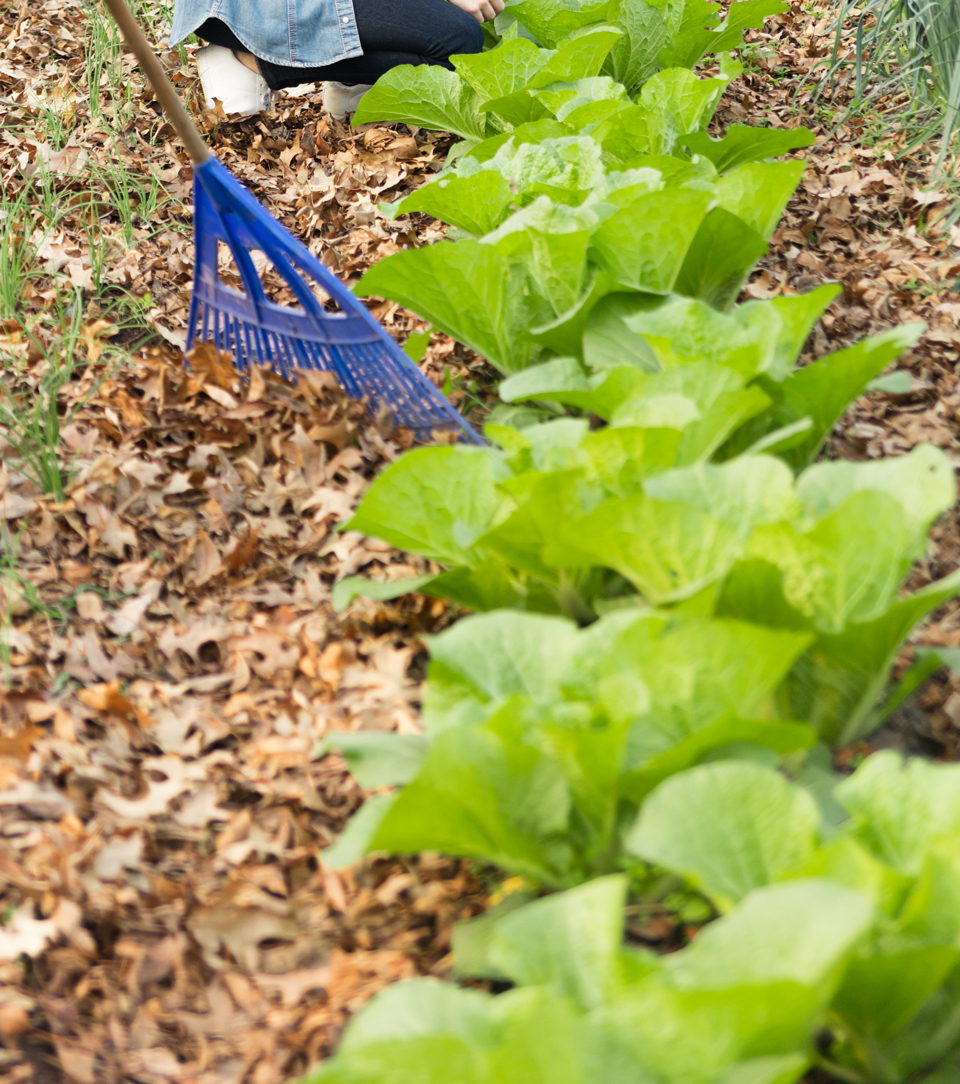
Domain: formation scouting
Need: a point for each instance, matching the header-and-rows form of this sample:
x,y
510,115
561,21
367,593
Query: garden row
x,y
681,609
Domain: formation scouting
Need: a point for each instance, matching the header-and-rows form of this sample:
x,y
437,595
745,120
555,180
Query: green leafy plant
x,y
574,521
733,827
541,740
739,1004
549,130
553,234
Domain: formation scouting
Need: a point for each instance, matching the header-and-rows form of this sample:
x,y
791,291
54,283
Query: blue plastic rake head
x,y
255,330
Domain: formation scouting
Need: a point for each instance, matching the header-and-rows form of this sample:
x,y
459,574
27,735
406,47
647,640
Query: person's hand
x,y
482,10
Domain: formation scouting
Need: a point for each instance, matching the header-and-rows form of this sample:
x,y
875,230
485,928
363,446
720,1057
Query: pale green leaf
x,y
728,827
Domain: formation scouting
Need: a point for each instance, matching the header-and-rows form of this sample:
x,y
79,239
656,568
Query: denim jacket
x,y
294,33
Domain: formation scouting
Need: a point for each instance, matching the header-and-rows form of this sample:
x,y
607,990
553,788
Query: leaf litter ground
x,y
171,657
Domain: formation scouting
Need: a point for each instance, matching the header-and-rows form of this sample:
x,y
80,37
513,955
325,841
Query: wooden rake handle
x,y
168,98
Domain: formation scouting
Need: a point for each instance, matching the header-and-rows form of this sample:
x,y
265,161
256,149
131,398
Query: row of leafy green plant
x,y
677,608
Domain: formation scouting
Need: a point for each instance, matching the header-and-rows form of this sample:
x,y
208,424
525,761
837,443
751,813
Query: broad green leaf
x,y
483,795
883,991
633,58
923,482
697,38
579,55
629,135
845,860
552,446
547,380
471,939
548,500
900,807
824,389
848,567
501,71
744,143
488,585
542,1040
585,116
589,749
519,108
680,330
557,263
353,587
720,258
667,551
671,104
430,1032
550,240
623,186
564,334
477,204
752,984
619,459
432,501
657,1033
688,101
758,192
569,942
690,671
377,758
696,15
702,670
727,732
468,291
428,95
838,682
745,493
931,913
728,827
609,342
644,244
563,98
720,399
669,410
552,21
566,167
417,1009
501,654
430,1060
687,688
797,315
797,932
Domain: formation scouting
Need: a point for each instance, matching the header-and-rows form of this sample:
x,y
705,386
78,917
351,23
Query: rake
x,y
255,330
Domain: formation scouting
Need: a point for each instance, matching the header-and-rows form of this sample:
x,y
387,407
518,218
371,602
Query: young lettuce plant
x,y
541,740
738,1005
575,521
496,90
531,283
733,827
630,342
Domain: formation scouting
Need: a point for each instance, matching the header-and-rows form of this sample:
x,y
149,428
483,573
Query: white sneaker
x,y
340,99
239,89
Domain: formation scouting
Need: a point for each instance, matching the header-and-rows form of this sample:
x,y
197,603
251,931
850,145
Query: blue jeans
x,y
391,32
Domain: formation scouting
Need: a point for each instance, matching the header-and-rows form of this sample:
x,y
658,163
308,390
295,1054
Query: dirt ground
x,y
172,657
